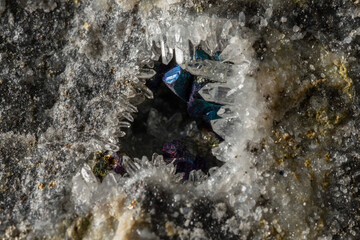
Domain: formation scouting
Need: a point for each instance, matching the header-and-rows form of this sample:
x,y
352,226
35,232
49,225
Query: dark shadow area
x,y
165,119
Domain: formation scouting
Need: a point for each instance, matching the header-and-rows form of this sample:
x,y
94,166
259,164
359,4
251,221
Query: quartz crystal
x,y
169,119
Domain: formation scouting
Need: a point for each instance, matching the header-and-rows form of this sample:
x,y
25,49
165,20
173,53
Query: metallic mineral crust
x,y
180,119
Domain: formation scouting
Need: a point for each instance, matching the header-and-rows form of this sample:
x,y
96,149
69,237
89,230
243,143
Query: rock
x,y
283,152
2,7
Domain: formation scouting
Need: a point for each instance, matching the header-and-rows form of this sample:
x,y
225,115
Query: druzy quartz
x,y
187,87
276,79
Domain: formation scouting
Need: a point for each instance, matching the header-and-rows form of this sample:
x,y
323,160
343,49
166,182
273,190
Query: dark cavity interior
x,y
165,119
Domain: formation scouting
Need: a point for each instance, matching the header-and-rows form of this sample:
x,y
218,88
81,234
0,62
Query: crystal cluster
x,y
187,87
275,82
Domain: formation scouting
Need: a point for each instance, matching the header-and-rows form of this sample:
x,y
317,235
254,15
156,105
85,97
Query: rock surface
x,y
73,78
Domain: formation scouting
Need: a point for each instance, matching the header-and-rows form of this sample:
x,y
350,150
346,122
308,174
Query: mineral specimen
x,y
278,79
187,87
176,152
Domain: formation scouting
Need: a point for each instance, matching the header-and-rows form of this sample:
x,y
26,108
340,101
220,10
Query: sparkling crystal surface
x,y
170,119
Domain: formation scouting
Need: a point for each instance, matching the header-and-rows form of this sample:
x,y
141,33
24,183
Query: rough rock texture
x,y
73,78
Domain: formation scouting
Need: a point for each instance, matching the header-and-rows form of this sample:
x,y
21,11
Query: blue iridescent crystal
x,y
187,86
179,81
217,56
201,55
200,108
171,76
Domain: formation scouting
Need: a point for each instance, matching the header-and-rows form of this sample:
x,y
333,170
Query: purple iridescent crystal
x,y
176,152
115,161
